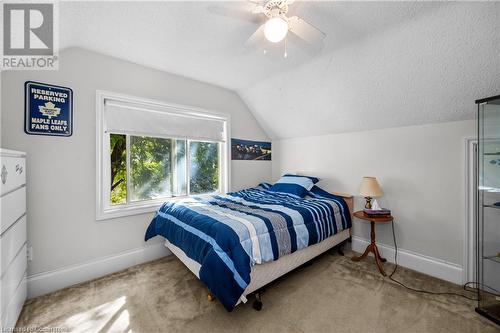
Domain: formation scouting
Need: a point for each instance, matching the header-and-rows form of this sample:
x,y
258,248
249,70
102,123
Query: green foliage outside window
x,y
118,169
155,173
150,167
204,168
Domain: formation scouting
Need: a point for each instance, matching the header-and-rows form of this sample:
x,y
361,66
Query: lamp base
x,y
368,204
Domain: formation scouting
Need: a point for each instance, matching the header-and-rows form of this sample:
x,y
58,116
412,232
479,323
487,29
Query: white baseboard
x,y
46,282
421,263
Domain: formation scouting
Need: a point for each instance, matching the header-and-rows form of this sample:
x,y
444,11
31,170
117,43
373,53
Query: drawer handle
x,y
4,174
19,169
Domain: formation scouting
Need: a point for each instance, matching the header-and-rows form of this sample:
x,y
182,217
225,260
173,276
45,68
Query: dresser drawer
x,y
13,173
11,242
12,278
13,310
13,206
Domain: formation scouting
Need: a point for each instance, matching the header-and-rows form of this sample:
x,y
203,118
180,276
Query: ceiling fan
x,y
276,24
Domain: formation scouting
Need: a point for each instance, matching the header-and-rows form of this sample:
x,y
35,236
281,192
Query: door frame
x,y
471,163
469,255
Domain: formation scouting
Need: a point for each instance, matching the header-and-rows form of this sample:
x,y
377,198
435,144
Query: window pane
x,y
204,167
118,156
150,168
180,186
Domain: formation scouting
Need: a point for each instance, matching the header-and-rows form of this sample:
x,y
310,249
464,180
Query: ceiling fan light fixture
x,y
275,29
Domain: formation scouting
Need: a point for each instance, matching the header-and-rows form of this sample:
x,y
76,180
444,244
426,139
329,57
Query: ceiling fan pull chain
x,y
285,55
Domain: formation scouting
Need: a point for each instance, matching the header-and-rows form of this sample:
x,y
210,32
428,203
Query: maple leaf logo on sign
x,y
49,110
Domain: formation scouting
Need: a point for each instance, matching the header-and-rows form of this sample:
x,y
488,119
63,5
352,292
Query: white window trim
x,y
104,210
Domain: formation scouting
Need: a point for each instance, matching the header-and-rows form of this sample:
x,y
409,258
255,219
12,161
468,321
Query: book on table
x,y
377,212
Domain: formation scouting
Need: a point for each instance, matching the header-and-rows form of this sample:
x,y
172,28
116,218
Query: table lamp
x,y
369,189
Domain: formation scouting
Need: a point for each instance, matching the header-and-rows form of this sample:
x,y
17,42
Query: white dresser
x,y
13,246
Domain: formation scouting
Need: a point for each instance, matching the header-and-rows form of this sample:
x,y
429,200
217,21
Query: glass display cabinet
x,y
488,208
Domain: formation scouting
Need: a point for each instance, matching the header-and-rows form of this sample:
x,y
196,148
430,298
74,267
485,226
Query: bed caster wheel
x,y
210,297
257,305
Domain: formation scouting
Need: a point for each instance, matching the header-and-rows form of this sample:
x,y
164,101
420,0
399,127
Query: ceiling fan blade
x,y
295,9
255,38
309,49
306,31
259,9
239,14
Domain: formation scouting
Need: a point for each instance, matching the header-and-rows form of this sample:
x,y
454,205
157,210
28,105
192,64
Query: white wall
x,y
61,171
421,170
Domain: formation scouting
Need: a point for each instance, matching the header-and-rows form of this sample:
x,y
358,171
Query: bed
x,y
239,242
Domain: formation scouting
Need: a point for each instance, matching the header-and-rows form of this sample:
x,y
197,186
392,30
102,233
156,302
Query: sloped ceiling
x,y
383,64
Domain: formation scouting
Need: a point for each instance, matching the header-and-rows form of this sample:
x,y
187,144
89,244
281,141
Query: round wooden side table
x,y
372,247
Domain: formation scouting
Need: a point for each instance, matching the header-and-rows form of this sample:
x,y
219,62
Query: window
x,y
157,168
150,152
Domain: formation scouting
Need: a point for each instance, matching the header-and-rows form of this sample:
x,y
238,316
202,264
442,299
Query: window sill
x,y
141,207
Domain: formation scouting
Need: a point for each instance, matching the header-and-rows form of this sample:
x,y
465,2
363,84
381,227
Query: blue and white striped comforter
x,y
227,234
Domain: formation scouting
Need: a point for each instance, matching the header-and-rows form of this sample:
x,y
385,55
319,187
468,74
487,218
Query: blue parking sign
x,y
48,109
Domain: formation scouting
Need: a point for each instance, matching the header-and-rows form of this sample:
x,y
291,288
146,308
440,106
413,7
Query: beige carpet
x,y
333,294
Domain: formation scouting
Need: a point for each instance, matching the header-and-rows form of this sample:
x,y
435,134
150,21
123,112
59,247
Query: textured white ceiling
x,y
383,64
430,69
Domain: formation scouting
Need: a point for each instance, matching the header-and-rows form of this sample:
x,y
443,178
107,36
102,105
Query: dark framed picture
x,y
250,150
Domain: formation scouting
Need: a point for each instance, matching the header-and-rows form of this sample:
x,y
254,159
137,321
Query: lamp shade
x,y
370,187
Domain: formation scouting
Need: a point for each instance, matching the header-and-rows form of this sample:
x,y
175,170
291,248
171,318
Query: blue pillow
x,y
314,179
294,184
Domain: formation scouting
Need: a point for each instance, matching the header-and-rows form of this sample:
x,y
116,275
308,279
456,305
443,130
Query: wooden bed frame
x,y
263,274
349,199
